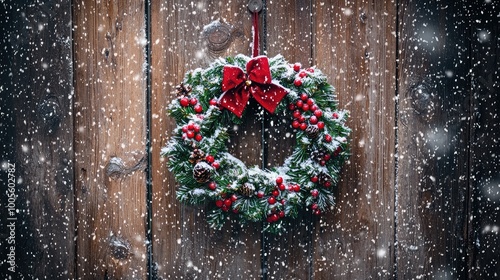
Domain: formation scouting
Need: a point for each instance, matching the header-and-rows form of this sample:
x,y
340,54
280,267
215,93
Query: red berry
x,y
296,67
305,107
184,102
303,126
190,126
193,101
310,101
225,208
313,107
296,188
234,198
279,180
327,184
337,151
281,187
269,219
271,200
235,211
219,203
184,129
198,109
299,103
196,128
302,119
315,193
190,134
210,158
322,162
213,102
311,70
297,82
275,193
321,125
335,115
291,107
228,202
318,113
281,214
295,124
328,138
314,179
198,137
302,74
313,120
212,186
216,165
260,194
296,114
317,212
304,96
327,157
275,217
314,206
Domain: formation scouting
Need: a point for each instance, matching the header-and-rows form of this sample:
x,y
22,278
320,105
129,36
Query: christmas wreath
x,y
211,102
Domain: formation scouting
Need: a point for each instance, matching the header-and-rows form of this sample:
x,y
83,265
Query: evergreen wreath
x,y
210,102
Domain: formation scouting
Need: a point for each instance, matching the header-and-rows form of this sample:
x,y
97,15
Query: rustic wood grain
x,y
37,58
355,45
110,149
484,241
183,244
433,132
288,32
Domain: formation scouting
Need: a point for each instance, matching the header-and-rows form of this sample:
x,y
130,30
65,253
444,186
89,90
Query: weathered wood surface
x,y
287,256
110,139
186,36
355,45
484,215
433,140
36,106
418,197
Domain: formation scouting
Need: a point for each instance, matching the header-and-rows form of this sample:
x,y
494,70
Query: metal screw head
x,y
255,6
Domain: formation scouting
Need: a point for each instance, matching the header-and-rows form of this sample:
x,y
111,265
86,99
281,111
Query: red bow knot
x,y
238,86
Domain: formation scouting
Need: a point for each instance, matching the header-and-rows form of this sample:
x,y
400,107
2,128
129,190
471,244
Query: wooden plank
x,y
355,45
110,149
289,34
433,137
183,244
484,241
36,89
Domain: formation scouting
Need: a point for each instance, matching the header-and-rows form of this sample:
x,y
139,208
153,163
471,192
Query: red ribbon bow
x,y
238,86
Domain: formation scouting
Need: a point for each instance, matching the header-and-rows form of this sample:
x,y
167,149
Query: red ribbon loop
x,y
257,82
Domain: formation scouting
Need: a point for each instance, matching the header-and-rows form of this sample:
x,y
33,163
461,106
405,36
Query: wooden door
x,y
83,96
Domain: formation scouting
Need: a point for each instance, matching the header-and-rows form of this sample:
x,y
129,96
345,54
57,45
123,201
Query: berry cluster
x,y
302,106
297,67
191,131
186,102
226,202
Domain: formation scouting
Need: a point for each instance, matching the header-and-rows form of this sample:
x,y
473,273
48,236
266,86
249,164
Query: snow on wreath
x,y
210,102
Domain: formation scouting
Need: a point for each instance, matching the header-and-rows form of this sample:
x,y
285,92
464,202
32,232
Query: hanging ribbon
x,y
238,86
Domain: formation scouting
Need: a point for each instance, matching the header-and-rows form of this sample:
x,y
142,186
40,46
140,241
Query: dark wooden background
x,y
84,86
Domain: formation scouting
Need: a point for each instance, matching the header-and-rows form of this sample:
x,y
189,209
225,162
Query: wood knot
x,y
421,97
49,111
117,168
119,248
218,36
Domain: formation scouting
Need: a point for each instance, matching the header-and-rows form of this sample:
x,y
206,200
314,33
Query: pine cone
x,y
247,189
196,156
202,172
317,155
312,131
183,90
323,178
